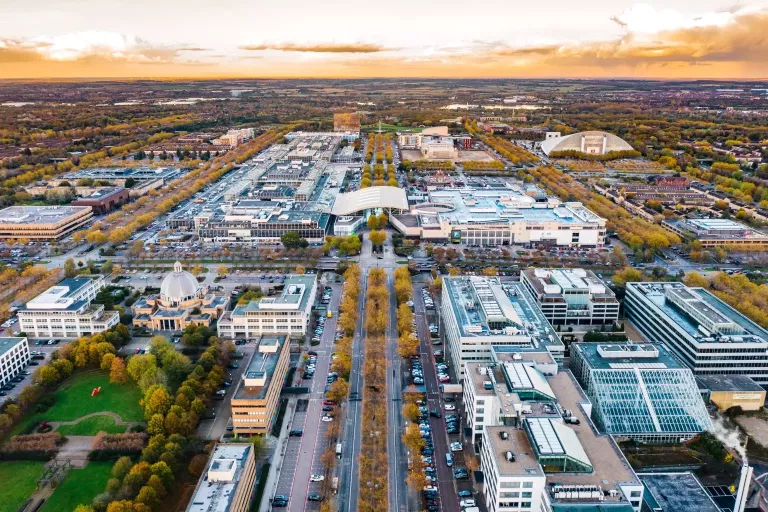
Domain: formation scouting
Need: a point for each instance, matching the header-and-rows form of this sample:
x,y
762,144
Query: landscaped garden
x,y
19,479
79,488
92,425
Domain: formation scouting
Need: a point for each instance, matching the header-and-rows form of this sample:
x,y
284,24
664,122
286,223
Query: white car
x,y
326,419
456,447
467,503
316,478
449,407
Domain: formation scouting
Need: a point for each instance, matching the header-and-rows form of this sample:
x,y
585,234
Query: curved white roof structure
x,y
368,198
179,285
591,143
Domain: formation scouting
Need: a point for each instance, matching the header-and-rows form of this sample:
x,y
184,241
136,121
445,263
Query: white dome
x,y
179,285
591,142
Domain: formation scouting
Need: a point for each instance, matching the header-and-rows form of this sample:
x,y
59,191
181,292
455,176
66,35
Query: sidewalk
x,y
278,453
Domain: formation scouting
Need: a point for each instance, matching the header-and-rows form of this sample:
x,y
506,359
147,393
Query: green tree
x,y
48,375
292,240
69,268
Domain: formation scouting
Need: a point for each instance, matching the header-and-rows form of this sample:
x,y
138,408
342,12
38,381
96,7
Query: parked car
x,y
296,433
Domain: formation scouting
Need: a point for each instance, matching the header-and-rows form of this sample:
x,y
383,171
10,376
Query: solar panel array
x,y
545,437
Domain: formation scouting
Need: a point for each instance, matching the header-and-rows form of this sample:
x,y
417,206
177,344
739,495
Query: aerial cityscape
x,y
517,266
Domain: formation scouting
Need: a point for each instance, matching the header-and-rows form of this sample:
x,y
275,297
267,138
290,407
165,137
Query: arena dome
x,y
590,143
179,286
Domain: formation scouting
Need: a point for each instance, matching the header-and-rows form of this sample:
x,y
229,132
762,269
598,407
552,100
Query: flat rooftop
x,y
34,215
484,306
669,297
609,465
728,383
260,367
676,492
294,296
62,295
557,281
622,356
718,228
218,484
516,442
137,173
7,344
494,206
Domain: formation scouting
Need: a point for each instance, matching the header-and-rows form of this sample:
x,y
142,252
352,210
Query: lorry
x,y
338,450
451,388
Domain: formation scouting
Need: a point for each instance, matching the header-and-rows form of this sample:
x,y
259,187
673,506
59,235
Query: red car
x,y
329,402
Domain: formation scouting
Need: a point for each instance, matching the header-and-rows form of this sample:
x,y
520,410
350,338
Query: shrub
x,y
38,443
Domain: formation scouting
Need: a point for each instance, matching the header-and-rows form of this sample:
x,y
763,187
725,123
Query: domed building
x,y
590,143
182,301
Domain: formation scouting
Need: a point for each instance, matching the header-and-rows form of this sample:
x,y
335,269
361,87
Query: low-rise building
x,y
255,401
726,391
571,296
14,356
640,391
708,335
479,313
227,483
182,301
288,314
43,222
717,232
66,310
104,200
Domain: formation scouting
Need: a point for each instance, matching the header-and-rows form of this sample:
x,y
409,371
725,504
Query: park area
x,y
76,412
19,480
79,488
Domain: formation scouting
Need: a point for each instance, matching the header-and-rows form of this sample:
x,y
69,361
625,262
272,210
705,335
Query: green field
x,y
79,488
91,425
74,400
391,128
19,480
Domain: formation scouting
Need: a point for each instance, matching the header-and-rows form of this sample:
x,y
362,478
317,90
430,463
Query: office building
x,y
66,310
119,175
640,391
288,314
590,143
104,200
256,398
49,223
571,296
543,453
234,138
182,301
708,335
14,356
479,313
717,232
500,216
227,483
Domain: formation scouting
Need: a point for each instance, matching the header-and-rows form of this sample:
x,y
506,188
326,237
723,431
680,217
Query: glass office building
x,y
640,391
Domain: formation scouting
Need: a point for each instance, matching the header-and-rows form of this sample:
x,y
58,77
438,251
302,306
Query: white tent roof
x,y
369,198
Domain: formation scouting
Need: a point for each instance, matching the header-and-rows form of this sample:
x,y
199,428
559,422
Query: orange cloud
x,y
319,48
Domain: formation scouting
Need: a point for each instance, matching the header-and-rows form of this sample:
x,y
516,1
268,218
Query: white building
x,y
571,296
480,313
226,485
707,334
65,310
14,356
288,314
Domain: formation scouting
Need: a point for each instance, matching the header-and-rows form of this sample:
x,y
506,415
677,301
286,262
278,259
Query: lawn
x,y
391,128
19,480
74,399
79,488
90,426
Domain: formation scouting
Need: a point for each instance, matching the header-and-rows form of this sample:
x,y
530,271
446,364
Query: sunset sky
x,y
396,38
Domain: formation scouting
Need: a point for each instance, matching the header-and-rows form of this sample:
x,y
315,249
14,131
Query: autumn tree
x,y
118,373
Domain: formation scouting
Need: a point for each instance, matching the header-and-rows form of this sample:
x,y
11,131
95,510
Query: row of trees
x,y
480,165
512,152
407,340
374,466
347,245
737,291
604,157
638,233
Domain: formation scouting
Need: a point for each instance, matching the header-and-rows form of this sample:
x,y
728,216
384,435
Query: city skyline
x,y
489,39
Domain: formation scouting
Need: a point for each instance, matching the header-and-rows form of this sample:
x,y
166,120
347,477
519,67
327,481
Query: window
x,y
527,485
510,485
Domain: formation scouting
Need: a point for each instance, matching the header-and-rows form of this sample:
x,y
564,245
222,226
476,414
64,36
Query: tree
x,y
222,270
122,467
197,464
378,237
147,496
159,402
490,271
156,425
411,412
48,375
695,280
338,391
106,267
373,222
627,275
383,220
140,364
293,240
117,373
69,268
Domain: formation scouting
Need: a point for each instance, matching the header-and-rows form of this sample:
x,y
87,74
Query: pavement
x,y
301,455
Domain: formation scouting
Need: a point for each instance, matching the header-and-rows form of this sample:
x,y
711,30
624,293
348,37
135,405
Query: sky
x,y
398,38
